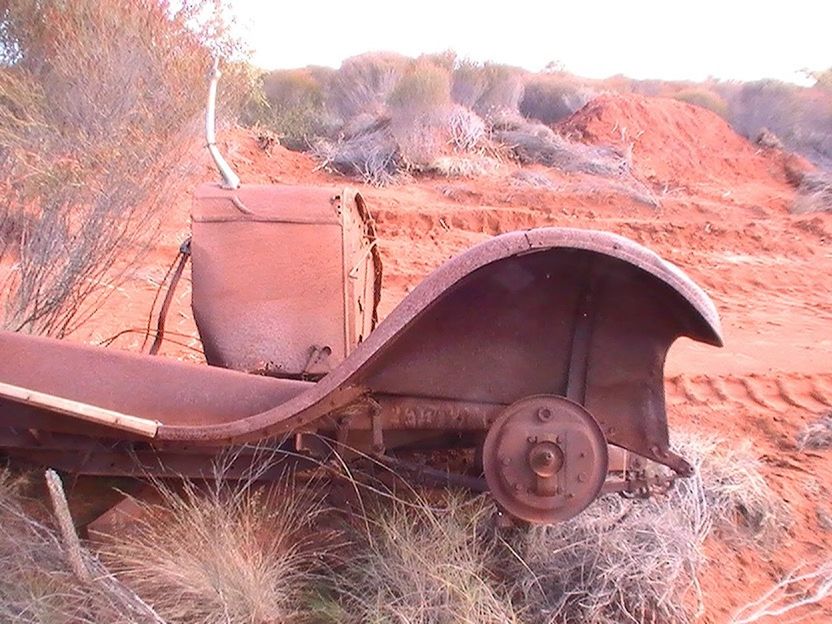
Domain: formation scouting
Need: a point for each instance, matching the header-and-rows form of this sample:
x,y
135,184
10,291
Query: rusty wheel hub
x,y
545,459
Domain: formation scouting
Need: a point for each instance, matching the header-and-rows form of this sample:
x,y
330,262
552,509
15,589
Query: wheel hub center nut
x,y
545,459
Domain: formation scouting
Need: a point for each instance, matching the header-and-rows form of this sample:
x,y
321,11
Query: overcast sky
x,y
640,38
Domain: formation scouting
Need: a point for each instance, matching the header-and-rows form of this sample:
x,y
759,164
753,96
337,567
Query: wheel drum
x,y
545,459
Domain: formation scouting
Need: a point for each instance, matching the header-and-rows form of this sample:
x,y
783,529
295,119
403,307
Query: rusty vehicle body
x,y
543,350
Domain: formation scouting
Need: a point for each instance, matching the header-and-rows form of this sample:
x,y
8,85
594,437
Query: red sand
x,y
673,143
724,219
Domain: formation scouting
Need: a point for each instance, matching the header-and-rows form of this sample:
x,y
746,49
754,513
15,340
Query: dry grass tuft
x,y
226,554
37,584
801,590
730,486
372,156
534,179
632,560
457,166
817,435
421,564
814,193
620,560
466,130
536,143
236,553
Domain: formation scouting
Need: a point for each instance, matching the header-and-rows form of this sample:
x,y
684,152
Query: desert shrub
x,y
364,83
468,84
292,87
823,79
99,103
620,560
489,89
536,143
292,106
814,193
818,434
650,87
503,91
372,156
424,88
228,554
364,124
762,104
447,60
13,227
416,133
549,99
799,116
418,113
427,564
466,129
704,99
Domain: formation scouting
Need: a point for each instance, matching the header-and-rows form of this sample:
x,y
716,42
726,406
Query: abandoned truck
x,y
541,350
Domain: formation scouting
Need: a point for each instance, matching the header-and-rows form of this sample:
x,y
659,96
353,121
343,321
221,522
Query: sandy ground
x,y
723,218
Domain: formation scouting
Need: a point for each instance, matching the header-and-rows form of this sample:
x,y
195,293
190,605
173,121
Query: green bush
x,y
704,99
419,107
503,91
425,87
292,104
487,88
363,83
552,98
469,83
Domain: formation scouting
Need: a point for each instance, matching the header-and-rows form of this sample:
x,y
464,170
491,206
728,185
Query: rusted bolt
x,y
544,414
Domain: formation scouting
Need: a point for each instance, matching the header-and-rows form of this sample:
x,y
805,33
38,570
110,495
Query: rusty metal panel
x,y
148,387
362,268
283,278
382,362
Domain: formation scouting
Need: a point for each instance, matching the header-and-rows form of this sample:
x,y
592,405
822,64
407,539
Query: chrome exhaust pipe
x,y
230,180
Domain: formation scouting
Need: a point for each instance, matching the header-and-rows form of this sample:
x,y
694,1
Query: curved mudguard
x,y
584,314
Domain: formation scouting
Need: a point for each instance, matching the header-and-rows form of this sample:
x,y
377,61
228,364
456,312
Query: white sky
x,y
669,39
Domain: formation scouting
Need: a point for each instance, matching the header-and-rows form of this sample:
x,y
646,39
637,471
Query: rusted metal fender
x,y
502,321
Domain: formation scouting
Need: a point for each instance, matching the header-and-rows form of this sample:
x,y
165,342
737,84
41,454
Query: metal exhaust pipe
x,y
230,180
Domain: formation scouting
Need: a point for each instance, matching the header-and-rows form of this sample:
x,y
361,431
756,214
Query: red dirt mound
x,y
271,164
673,143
